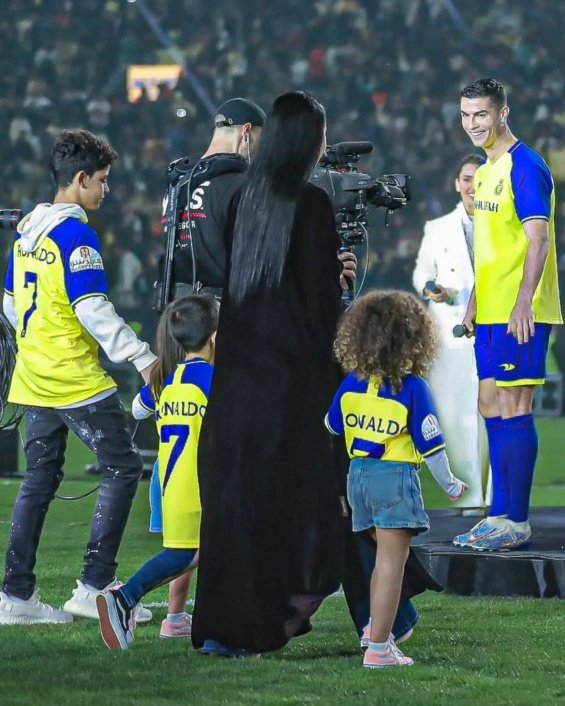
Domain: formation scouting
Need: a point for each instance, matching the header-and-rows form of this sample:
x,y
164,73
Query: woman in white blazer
x,y
446,258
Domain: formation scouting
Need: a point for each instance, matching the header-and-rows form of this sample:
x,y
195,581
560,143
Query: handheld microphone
x,y
432,287
348,294
459,331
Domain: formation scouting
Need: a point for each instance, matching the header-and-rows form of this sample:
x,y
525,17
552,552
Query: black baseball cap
x,y
239,111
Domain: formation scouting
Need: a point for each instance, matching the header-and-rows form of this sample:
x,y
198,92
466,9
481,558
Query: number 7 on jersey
x,y
181,432
30,278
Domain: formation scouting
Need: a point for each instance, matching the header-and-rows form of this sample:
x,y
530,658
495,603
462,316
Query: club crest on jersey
x,y
85,258
499,187
430,427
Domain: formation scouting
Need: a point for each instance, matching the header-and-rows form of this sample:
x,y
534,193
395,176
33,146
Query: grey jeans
x,y
103,427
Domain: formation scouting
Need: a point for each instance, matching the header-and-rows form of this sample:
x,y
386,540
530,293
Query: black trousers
x,y
103,427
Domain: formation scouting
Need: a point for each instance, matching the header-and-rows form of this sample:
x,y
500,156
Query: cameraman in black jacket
x,y
205,189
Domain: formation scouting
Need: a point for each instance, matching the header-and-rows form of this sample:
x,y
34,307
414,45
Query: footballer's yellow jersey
x,y
57,361
518,187
179,412
378,423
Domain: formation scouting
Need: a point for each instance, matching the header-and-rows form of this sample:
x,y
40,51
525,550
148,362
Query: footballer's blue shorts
x,y
499,355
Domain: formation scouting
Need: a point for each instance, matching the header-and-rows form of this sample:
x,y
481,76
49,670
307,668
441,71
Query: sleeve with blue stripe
x,y
146,398
9,278
334,417
143,405
532,184
84,269
423,424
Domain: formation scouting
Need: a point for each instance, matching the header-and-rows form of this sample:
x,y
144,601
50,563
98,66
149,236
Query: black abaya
x,y
272,522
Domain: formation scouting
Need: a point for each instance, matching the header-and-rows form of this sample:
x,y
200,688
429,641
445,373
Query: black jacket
x,y
203,219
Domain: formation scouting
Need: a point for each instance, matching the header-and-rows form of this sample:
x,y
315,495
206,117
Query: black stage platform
x,y
537,570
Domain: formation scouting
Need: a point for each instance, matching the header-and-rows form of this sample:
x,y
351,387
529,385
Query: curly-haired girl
x,y
386,342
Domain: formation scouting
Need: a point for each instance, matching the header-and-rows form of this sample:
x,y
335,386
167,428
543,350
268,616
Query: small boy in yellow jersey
x,y
178,395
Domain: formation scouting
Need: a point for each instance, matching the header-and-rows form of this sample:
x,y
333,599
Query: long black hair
x,y
288,151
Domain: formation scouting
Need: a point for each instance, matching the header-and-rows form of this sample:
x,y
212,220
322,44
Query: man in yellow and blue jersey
x,y
190,323
515,304
56,297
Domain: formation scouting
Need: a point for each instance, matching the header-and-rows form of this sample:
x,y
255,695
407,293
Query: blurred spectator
x,y
388,72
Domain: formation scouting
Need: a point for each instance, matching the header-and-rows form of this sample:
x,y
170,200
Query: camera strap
x,y
186,172
171,226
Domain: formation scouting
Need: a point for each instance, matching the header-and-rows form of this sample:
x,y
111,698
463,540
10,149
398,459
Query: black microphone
x,y
459,330
348,294
432,287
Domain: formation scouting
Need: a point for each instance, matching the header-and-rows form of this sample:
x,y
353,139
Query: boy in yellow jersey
x,y
56,299
181,393
512,310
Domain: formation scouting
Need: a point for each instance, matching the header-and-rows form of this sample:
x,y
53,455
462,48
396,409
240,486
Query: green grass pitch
x,y
467,651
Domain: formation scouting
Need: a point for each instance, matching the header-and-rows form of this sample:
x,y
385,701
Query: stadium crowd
x,y
388,72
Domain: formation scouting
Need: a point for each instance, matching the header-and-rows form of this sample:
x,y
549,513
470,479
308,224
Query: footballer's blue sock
x,y
521,442
159,570
499,466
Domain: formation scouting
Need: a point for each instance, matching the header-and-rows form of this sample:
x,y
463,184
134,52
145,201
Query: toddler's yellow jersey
x,y
518,187
57,362
384,424
179,412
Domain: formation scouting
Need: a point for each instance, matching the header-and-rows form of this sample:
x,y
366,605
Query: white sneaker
x,y
142,614
83,603
28,612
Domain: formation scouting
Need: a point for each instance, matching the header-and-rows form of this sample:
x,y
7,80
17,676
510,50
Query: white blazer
x,y
444,258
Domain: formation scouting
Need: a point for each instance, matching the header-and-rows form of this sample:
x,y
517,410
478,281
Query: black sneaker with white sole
x,y
117,619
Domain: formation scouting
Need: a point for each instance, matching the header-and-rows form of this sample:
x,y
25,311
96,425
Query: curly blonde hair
x,y
387,334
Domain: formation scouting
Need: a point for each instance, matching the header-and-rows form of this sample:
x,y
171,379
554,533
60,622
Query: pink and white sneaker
x,y
390,657
182,628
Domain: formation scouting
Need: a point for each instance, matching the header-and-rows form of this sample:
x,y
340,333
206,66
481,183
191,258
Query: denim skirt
x,y
387,495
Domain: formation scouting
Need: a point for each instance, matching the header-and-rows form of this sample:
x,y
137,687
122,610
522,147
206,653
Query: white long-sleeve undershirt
x,y
9,307
139,410
117,339
440,469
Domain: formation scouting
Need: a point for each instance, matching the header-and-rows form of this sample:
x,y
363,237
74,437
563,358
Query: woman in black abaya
x,y
272,523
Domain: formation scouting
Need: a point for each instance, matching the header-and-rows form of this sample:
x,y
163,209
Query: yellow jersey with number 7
x,y
179,413
57,361
514,189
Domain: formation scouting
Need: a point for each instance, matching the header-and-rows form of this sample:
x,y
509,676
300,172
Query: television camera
x,y
351,192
